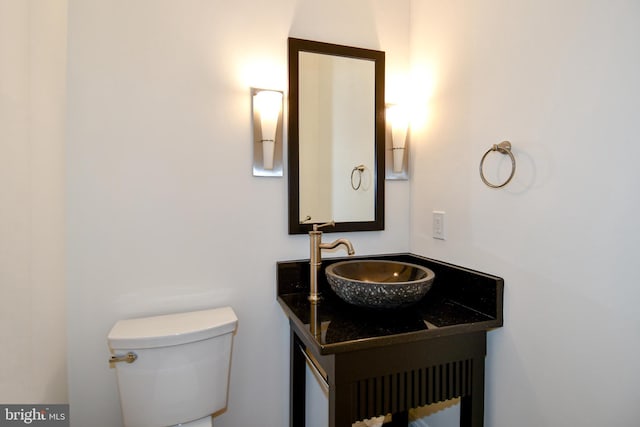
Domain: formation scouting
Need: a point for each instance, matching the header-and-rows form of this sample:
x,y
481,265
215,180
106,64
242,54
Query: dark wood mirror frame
x,y
378,57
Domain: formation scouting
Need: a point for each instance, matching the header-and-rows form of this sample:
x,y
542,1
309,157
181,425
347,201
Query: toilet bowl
x,y
173,370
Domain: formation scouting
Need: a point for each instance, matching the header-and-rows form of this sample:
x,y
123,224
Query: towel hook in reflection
x,y
359,169
504,148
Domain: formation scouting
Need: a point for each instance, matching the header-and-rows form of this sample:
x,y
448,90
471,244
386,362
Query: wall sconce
x,y
266,106
397,143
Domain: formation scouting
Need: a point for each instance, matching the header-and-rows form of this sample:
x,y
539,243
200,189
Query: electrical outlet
x,y
438,225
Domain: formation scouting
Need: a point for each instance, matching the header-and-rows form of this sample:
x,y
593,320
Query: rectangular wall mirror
x,y
336,137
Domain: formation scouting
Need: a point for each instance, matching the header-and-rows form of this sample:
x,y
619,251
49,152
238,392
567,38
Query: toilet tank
x,y
181,372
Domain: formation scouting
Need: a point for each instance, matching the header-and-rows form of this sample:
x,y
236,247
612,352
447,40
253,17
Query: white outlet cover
x,y
438,225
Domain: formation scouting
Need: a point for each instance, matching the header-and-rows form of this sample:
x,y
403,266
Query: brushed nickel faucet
x,y
315,259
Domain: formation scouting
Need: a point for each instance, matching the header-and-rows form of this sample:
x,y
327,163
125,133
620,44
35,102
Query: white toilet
x,y
173,369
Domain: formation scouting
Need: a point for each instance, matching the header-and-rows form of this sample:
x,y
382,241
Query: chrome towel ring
x,y
504,148
359,169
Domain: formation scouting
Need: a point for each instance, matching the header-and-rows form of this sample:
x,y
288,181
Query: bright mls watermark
x,y
34,415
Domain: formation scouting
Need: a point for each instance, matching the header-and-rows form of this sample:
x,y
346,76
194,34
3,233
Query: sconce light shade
x,y
397,119
267,132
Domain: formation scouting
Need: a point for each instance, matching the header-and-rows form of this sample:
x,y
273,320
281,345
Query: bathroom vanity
x,y
376,362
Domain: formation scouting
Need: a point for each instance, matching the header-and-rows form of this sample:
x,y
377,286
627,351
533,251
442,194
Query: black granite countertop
x,y
460,301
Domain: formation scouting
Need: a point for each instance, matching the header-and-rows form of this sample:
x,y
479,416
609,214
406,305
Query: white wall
x,y
32,302
354,129
560,81
163,212
315,127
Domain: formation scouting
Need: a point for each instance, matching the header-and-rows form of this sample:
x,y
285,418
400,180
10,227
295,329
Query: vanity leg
x,y
297,396
472,406
339,406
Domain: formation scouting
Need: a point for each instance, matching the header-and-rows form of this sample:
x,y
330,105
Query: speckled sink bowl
x,y
379,283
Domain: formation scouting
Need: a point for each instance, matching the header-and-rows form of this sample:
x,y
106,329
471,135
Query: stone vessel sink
x,y
379,283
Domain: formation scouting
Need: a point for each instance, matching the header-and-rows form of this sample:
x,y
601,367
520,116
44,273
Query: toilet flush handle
x,y
129,358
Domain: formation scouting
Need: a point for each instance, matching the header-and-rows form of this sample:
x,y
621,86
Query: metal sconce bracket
x,y
259,168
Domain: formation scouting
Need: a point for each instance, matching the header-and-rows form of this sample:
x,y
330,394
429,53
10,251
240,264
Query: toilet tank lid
x,y
172,329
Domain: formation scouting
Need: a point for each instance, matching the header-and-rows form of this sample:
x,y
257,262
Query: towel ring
x,y
504,148
359,169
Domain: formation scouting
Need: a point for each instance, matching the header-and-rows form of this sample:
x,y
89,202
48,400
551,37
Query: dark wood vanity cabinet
x,y
377,362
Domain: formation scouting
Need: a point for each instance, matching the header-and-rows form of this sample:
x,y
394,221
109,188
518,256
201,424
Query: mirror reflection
x,y
336,137
337,124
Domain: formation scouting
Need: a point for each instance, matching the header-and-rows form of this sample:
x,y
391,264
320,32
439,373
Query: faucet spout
x,y
346,243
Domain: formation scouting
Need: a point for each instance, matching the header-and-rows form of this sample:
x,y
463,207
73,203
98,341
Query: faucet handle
x,y
330,223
